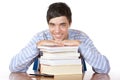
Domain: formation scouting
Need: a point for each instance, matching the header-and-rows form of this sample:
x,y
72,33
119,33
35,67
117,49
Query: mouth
x,y
58,37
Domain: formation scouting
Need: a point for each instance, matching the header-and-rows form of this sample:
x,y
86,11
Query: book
x,y
64,77
61,69
60,55
60,62
58,49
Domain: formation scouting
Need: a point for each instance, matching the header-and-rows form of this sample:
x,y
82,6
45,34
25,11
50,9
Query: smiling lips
x,y
58,36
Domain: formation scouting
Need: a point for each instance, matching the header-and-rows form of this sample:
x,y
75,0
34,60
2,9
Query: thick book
x,y
58,49
61,69
64,77
60,55
60,62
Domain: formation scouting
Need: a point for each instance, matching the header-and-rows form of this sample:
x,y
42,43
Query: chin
x,y
58,39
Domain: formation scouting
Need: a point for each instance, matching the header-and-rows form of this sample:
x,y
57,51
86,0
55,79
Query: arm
x,y
99,62
49,43
22,61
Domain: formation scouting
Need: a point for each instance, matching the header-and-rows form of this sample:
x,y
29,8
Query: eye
x,y
63,25
51,25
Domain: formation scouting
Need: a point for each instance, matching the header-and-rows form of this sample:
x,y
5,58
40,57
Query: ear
x,y
70,24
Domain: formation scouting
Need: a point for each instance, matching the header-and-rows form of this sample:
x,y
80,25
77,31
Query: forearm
x,y
99,62
22,61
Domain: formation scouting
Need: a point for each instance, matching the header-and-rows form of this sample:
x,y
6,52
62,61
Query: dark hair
x,y
59,9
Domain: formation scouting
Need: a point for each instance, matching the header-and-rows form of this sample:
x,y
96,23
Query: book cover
x,y
61,69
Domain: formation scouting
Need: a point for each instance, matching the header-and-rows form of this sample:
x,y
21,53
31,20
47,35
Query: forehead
x,y
58,20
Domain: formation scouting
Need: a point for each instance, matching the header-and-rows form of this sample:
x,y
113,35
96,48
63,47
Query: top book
x,y
58,49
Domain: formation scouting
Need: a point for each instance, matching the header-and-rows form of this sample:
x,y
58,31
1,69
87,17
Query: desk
x,y
25,76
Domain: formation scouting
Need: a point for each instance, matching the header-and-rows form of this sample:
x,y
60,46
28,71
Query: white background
x,y
21,19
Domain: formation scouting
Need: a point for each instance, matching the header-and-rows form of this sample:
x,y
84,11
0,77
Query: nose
x,y
57,29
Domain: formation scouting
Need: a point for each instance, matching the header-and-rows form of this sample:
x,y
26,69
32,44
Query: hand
x,y
49,43
71,42
19,76
98,76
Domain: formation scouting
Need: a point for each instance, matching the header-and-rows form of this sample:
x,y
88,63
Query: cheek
x,y
51,30
65,32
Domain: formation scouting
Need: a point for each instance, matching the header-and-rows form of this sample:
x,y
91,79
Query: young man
x,y
59,18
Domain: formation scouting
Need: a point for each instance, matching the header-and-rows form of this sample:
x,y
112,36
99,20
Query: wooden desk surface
x,y
25,76
113,75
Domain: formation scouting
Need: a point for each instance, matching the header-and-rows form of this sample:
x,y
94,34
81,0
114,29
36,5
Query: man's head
x,y
59,9
59,20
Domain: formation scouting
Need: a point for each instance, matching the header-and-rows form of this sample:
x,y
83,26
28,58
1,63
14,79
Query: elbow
x,y
13,68
104,70
101,71
16,70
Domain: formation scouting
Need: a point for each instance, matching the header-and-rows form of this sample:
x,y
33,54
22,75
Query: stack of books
x,y
60,60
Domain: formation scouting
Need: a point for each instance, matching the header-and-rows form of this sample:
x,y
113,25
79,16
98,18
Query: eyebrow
x,y
51,23
60,23
63,23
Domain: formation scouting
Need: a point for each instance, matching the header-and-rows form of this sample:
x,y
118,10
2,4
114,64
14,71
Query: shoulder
x,y
42,35
75,32
78,35
43,32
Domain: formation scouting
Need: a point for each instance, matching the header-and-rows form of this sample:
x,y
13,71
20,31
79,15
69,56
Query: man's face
x,y
58,27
